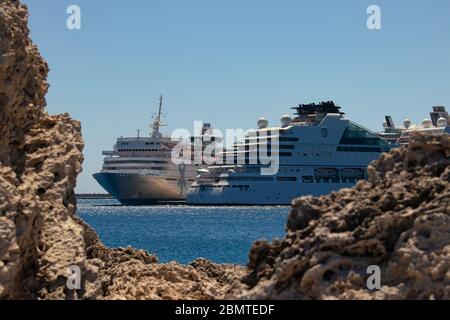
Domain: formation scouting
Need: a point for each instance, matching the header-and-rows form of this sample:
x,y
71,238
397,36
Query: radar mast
x,y
157,122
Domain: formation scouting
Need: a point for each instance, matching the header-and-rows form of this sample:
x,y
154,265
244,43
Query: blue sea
x,y
184,233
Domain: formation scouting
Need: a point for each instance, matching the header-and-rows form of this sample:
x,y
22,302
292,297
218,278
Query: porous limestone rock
x,y
40,236
40,157
399,220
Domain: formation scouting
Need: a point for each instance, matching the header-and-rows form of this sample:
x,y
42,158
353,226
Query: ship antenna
x,y
160,108
157,123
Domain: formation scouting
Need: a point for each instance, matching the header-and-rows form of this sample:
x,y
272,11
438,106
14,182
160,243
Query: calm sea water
x,y
185,233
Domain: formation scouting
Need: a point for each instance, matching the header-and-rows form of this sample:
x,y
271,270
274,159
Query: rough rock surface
x,y
40,157
398,220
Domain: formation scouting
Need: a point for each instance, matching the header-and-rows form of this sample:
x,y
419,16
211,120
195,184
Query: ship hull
x,y
260,194
138,190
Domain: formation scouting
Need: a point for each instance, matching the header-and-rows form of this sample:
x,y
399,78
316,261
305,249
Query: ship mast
x,y
157,123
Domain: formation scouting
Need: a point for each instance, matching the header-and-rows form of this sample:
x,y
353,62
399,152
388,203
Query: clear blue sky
x,y
231,62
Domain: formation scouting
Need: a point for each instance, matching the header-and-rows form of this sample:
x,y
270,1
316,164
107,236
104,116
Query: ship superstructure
x,y
318,151
437,124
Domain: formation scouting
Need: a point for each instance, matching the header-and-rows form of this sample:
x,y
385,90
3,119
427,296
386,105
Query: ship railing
x,y
109,153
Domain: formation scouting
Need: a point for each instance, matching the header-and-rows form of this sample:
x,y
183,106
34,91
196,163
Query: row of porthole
x,y
139,150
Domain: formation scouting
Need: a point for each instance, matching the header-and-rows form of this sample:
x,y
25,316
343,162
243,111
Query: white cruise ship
x,y
318,151
140,170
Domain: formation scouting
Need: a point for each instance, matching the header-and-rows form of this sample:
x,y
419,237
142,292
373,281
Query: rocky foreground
x,y
398,220
40,237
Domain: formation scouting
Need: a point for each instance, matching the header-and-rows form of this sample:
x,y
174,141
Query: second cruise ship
x,y
141,171
437,124
318,151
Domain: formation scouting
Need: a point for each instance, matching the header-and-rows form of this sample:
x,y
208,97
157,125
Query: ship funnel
x,y
263,123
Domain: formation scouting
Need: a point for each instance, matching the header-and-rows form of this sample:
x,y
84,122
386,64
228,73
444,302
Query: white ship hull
x,y
265,193
262,194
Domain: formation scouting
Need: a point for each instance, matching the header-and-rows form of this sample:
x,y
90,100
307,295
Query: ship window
x,y
250,179
135,161
288,147
285,139
308,179
355,134
286,179
285,154
362,149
